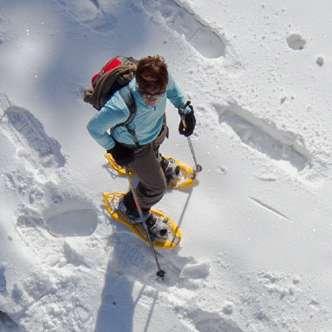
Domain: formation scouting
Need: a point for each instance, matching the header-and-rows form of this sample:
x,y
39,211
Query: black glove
x,y
188,120
121,154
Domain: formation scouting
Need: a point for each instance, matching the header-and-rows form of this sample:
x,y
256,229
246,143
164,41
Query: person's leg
x,y
152,182
168,166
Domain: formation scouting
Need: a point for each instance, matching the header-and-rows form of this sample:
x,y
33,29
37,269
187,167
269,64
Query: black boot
x,y
127,206
157,227
170,169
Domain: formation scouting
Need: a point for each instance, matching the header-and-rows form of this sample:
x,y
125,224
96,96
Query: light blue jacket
x,y
147,122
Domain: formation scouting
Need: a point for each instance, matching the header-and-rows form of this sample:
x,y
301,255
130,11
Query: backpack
x,y
114,75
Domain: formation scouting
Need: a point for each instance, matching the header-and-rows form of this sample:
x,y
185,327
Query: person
x,y
136,145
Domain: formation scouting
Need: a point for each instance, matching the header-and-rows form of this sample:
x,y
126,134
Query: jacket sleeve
x,y
174,93
114,112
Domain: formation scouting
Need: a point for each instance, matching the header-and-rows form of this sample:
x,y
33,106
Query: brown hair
x,y
152,74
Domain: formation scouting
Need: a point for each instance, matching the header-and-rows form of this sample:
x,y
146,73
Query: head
x,y
152,78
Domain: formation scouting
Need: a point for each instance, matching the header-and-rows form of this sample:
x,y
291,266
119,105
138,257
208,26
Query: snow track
x,y
103,17
185,22
269,208
264,137
31,130
46,203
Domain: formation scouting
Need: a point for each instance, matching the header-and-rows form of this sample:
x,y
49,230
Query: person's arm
x,y
174,93
110,115
186,111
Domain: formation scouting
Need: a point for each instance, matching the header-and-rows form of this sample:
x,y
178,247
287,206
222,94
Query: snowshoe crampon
x,y
186,178
171,241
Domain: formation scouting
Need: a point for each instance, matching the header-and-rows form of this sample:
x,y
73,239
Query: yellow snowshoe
x,y
169,241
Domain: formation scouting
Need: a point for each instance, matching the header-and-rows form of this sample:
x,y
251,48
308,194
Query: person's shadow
x,y
132,261
117,305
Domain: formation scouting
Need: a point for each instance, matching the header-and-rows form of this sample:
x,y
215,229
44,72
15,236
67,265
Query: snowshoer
x,y
134,137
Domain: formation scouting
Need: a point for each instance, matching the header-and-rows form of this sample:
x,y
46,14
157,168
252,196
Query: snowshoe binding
x,y
170,169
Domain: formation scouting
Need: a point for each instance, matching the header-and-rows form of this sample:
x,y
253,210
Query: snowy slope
x,y
256,249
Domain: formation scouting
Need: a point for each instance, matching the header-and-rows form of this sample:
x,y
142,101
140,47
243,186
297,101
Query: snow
x,y
257,230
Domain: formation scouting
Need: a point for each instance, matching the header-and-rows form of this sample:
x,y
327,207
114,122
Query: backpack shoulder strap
x,y
128,98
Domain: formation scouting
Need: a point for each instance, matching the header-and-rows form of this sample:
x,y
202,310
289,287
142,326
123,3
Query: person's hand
x,y
188,120
121,154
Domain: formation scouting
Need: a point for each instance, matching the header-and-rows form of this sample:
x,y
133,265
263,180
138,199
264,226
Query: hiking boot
x,y
128,208
171,170
157,227
132,215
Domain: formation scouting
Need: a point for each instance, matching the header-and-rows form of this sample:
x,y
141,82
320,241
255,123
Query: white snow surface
x,y
256,252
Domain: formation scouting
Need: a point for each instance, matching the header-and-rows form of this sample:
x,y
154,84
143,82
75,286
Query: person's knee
x,y
153,184
160,186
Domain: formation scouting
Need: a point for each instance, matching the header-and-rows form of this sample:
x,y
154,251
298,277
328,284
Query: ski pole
x,y
198,167
160,273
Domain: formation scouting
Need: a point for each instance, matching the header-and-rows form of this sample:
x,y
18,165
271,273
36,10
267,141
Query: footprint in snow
x,y
58,206
199,34
266,138
71,217
31,132
91,13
